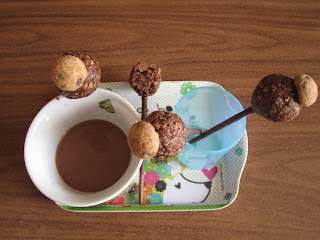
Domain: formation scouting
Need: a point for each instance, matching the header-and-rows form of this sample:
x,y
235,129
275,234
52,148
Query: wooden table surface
x,y
234,43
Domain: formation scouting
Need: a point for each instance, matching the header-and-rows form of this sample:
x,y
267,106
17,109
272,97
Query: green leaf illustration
x,y
106,105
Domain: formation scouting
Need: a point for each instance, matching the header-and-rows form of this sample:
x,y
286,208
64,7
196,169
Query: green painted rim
x,y
143,208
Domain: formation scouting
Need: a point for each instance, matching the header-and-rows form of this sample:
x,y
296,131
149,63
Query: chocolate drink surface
x,y
92,155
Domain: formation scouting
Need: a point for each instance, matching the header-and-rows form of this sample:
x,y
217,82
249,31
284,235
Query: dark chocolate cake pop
x,y
276,98
145,79
172,133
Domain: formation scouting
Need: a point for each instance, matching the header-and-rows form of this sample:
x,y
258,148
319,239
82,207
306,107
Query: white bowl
x,y
52,122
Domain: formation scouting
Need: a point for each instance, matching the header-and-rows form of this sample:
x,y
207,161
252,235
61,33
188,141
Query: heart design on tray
x,y
210,174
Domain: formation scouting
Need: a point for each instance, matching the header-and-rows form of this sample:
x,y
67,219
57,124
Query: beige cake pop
x,y
76,75
143,140
307,89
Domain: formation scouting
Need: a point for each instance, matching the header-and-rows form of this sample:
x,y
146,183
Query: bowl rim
x,y
129,174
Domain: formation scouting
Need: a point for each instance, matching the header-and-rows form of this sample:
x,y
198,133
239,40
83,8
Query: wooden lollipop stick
x,y
141,183
144,107
222,125
143,117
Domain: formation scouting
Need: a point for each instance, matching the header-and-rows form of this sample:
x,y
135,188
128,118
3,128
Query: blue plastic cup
x,y
203,108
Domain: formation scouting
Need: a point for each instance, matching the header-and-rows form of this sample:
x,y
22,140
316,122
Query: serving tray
x,y
169,185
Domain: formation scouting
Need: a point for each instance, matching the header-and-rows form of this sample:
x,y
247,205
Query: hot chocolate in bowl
x,y
109,115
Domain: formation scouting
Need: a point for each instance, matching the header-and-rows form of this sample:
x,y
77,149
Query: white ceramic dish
x,y
52,122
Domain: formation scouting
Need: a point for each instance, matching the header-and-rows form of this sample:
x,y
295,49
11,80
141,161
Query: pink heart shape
x,y
210,173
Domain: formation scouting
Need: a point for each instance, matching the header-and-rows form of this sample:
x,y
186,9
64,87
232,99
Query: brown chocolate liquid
x,y
92,155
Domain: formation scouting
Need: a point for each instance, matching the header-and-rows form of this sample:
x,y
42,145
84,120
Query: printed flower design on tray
x,y
151,178
186,87
238,151
155,198
163,170
118,200
131,198
160,186
228,196
156,161
175,166
147,190
133,188
149,166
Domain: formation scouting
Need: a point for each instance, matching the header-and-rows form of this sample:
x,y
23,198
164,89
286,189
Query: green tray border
x,y
142,208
